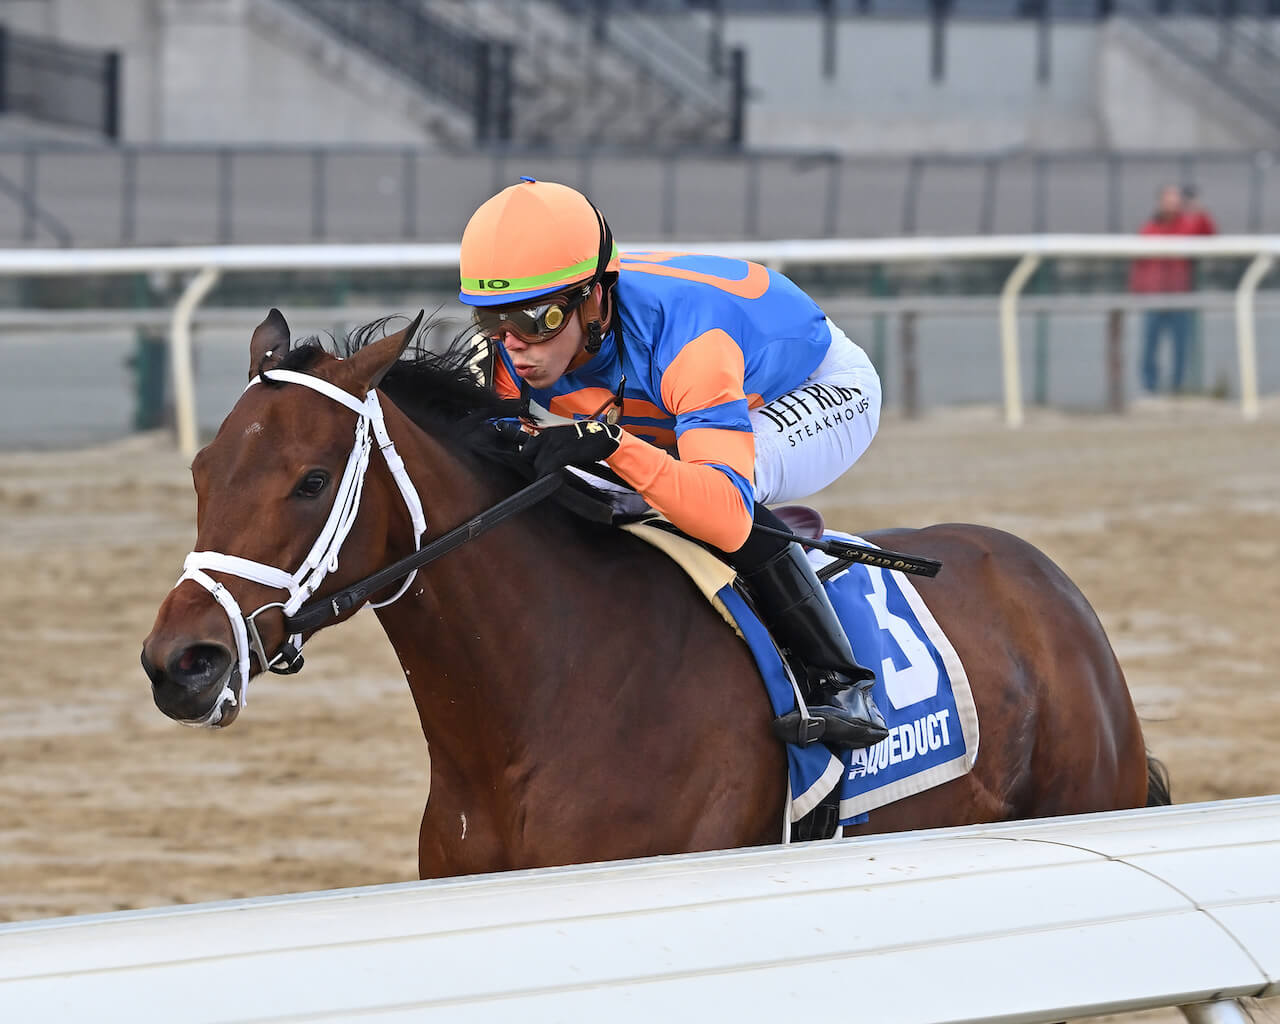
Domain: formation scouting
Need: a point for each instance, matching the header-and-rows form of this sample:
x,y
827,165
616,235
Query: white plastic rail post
x,y
1009,337
1246,334
184,386
1221,1011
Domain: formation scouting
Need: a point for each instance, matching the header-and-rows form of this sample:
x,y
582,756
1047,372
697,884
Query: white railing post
x,y
1221,1011
1246,334
184,385
1009,355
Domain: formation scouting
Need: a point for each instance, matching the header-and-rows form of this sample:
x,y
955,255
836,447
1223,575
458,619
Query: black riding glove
x,y
571,444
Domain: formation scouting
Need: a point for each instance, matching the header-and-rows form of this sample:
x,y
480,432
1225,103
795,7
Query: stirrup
x,y
803,732
799,730
832,720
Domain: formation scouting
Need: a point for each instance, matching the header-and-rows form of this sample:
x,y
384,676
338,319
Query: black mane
x,y
444,389
441,391
447,397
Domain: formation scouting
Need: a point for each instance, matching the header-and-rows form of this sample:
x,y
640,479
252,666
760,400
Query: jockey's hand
x,y
572,444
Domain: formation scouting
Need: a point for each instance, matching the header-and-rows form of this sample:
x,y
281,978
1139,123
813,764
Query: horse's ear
x,y
269,344
369,365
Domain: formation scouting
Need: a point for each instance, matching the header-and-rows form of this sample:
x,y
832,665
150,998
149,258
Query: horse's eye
x,y
313,484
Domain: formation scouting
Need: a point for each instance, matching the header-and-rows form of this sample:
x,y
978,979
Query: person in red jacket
x,y
1177,213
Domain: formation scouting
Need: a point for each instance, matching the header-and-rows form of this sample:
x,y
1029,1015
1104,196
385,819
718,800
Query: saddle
x,y
801,520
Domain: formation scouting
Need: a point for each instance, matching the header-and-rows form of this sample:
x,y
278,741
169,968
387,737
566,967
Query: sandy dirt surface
x,y
1168,519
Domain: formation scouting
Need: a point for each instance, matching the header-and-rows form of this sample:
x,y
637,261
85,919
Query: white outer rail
x,y
1262,249
1035,921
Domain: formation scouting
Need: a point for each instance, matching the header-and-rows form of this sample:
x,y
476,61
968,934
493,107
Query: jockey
x,y
712,386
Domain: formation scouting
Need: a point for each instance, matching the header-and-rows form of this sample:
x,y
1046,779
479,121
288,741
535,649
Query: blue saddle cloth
x,y
920,687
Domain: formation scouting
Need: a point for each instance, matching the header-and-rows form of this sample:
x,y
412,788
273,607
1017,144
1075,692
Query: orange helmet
x,y
533,238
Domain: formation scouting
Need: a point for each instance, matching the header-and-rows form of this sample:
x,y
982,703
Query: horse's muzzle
x,y
190,681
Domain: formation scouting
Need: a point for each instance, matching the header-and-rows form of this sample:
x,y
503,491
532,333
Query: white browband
x,y
322,559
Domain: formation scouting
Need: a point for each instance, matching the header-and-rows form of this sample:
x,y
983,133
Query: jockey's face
x,y
542,363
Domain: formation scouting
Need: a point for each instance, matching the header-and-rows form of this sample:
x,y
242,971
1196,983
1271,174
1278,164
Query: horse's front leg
x,y
453,840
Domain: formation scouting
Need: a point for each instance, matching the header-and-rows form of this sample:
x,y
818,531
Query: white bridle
x,y
322,559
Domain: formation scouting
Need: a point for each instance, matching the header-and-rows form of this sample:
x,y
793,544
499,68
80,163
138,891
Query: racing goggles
x,y
531,323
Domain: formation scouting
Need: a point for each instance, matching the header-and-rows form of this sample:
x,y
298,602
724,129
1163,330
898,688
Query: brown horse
x,y
572,683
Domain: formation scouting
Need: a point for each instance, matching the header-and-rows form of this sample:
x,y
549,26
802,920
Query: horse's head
x,y
278,489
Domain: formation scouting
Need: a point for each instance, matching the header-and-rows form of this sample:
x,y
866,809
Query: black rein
x,y
323,610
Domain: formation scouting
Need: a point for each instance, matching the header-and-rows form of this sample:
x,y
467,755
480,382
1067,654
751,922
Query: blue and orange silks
x,y
705,339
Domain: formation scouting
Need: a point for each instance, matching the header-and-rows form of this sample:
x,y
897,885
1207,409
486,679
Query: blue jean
x,y
1155,323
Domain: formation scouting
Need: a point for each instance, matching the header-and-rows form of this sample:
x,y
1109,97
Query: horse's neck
x,y
454,629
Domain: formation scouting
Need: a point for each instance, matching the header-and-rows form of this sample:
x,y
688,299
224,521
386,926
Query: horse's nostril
x,y
198,665
192,659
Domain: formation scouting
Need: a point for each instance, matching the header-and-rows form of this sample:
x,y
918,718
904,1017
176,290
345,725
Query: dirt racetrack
x,y
1169,520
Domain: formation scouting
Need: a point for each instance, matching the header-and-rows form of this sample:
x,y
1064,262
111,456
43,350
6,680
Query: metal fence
x,y
60,84
168,195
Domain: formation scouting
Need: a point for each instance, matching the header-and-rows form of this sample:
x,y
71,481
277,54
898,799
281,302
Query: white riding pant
x,y
808,437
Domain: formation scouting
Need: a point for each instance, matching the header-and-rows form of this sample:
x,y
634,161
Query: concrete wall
x,y
250,72
1109,87
129,26
235,71
227,77
1153,99
882,97
1140,109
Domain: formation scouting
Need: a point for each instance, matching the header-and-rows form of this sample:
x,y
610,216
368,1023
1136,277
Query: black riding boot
x,y
795,607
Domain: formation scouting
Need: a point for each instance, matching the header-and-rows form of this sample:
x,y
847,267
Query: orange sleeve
x,y
699,499
708,371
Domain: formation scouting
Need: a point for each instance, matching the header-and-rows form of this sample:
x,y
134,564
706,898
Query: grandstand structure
x,y
854,76
226,121
129,123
